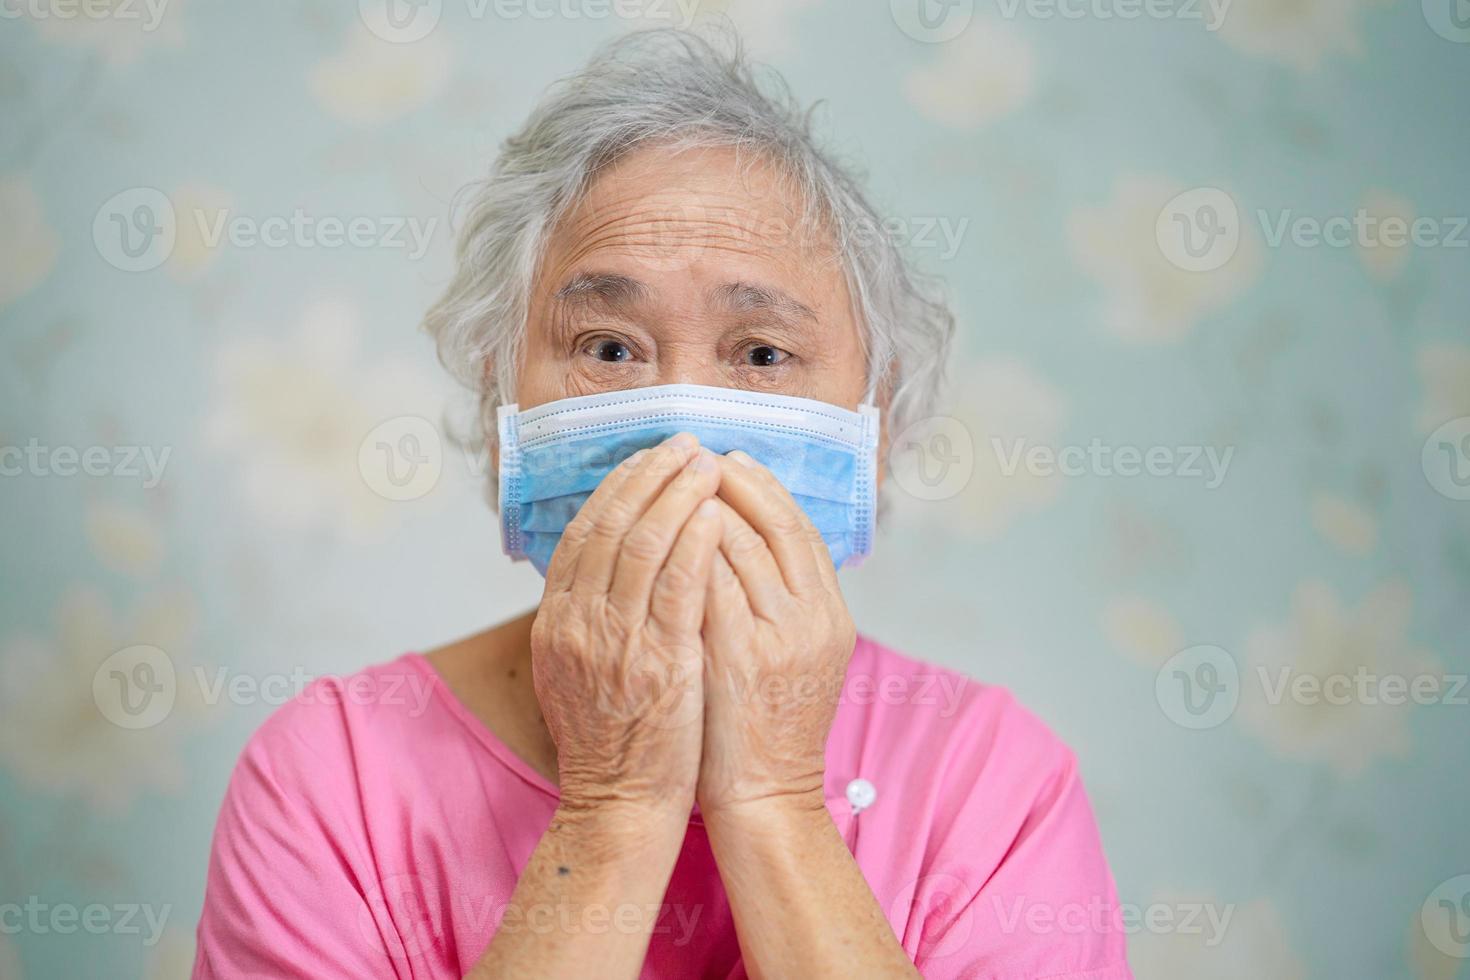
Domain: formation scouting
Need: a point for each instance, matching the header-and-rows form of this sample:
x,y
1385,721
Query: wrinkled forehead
x,y
670,207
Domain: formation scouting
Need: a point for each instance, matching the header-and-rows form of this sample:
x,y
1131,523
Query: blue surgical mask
x,y
554,455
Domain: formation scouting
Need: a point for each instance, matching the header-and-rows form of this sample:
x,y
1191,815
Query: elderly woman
x,y
688,333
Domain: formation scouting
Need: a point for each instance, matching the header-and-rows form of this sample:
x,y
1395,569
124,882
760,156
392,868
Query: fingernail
x,y
683,441
708,509
741,457
704,461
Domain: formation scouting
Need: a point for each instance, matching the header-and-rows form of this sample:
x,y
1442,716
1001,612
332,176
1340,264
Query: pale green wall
x,y
1049,145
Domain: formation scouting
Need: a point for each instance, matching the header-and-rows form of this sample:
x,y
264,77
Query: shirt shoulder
x,y
980,820
900,709
316,750
294,886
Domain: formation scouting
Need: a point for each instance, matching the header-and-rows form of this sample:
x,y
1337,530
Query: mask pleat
x,y
545,484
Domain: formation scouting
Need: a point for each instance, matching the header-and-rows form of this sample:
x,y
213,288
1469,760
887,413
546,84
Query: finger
x,y
753,564
561,572
677,601
619,509
725,603
756,495
646,546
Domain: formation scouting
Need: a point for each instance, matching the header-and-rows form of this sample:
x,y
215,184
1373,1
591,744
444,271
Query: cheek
x,y
551,379
844,383
540,379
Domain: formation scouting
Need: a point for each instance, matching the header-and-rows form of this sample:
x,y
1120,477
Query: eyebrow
x,y
607,287
747,297
618,291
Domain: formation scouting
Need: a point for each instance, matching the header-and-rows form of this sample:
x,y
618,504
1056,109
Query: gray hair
x,y
671,87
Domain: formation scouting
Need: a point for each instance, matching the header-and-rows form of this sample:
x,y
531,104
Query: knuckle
x,y
561,632
745,543
684,479
618,621
617,513
644,543
671,618
667,467
675,583
724,575
632,462
789,524
577,530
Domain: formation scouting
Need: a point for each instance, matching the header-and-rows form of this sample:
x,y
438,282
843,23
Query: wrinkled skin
x,y
707,659
691,639
777,641
617,654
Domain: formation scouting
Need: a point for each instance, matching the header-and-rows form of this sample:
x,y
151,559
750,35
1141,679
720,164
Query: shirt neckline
x,y
479,730
838,805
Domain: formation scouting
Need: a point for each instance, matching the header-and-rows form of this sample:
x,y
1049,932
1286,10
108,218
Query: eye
x,y
764,355
610,350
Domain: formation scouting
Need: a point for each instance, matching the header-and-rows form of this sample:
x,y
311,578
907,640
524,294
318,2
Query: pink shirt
x,y
375,828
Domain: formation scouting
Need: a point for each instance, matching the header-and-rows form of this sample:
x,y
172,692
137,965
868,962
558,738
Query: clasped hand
x,y
692,640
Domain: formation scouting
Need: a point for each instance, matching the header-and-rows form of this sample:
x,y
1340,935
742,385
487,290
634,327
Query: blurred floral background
x,y
1200,495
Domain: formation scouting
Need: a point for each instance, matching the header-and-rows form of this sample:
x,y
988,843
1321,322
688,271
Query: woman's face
x,y
683,267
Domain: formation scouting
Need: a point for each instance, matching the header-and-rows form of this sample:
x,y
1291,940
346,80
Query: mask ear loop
x,y
869,409
867,476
